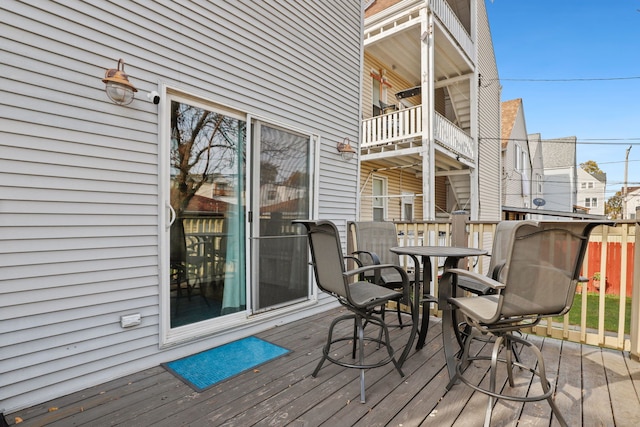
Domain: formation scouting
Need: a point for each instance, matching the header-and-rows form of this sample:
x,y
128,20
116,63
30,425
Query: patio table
x,y
452,255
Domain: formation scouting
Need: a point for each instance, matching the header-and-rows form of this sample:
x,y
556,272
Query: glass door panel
x,y
283,195
207,167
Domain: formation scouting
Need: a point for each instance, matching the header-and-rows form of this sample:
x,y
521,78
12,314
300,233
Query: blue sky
x,y
572,40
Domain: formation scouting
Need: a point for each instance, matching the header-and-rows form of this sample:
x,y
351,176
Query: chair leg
x,y
399,312
327,346
358,338
546,385
509,345
492,378
361,355
355,339
387,342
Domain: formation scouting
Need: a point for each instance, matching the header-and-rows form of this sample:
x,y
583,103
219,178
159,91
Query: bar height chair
x,y
540,274
369,242
361,298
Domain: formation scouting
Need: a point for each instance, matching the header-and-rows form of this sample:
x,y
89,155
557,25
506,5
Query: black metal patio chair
x,y
361,298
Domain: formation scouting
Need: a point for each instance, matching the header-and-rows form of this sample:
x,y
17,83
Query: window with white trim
x,y
379,201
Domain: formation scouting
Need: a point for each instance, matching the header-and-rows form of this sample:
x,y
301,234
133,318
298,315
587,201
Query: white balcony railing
x,y
400,126
452,137
392,127
443,11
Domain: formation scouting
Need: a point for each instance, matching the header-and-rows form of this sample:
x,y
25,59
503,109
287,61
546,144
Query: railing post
x,y
459,233
635,297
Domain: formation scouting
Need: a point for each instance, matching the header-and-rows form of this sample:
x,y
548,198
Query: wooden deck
x,y
595,387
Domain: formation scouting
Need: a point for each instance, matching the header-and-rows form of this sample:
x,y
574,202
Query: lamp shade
x,y
118,87
346,150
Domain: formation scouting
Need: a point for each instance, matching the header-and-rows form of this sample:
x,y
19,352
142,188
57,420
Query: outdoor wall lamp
x,y
118,88
346,150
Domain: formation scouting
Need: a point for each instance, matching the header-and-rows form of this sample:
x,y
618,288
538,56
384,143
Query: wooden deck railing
x,y
607,317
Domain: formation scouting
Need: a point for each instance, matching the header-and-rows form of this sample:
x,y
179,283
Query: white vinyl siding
x,y
488,122
81,211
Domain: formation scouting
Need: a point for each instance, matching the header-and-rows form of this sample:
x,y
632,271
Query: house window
x,y
583,185
379,198
539,183
407,206
518,158
591,202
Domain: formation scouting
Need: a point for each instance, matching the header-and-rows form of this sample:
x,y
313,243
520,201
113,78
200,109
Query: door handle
x,y
172,215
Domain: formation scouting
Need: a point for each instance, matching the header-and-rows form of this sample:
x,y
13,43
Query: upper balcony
x,y
402,22
402,132
396,55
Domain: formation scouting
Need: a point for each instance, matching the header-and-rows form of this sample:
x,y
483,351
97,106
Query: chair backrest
x,y
374,236
500,249
377,237
178,245
543,266
326,253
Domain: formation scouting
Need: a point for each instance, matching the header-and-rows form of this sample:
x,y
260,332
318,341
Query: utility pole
x,y
624,188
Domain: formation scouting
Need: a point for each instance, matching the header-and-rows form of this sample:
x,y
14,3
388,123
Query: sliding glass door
x,y
282,193
207,224
233,247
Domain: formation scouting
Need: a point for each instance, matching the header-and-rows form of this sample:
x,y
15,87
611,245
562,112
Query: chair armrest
x,y
358,262
354,259
476,277
375,259
472,282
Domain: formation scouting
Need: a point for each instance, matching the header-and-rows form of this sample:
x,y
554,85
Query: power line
x,y
586,79
581,141
569,79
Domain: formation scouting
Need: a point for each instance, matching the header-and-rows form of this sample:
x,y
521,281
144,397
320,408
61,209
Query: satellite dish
x,y
539,202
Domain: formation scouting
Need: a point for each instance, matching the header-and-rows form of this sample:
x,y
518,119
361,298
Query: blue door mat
x,y
203,370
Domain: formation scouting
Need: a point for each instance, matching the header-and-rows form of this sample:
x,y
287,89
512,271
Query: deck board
x,y
594,385
596,401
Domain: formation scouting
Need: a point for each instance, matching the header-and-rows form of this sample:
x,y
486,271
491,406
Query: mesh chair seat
x,y
365,295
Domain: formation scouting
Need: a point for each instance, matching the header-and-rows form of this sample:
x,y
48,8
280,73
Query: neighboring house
x,y
431,111
591,191
519,183
537,174
632,205
113,210
560,173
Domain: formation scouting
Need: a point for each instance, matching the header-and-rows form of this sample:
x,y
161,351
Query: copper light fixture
x,y
118,88
346,150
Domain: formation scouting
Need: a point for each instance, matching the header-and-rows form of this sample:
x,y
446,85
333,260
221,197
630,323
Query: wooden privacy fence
x,y
615,270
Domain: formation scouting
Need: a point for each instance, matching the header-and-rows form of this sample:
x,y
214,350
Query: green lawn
x,y
611,310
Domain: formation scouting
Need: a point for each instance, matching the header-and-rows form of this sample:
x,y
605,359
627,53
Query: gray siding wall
x,y
79,181
489,173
